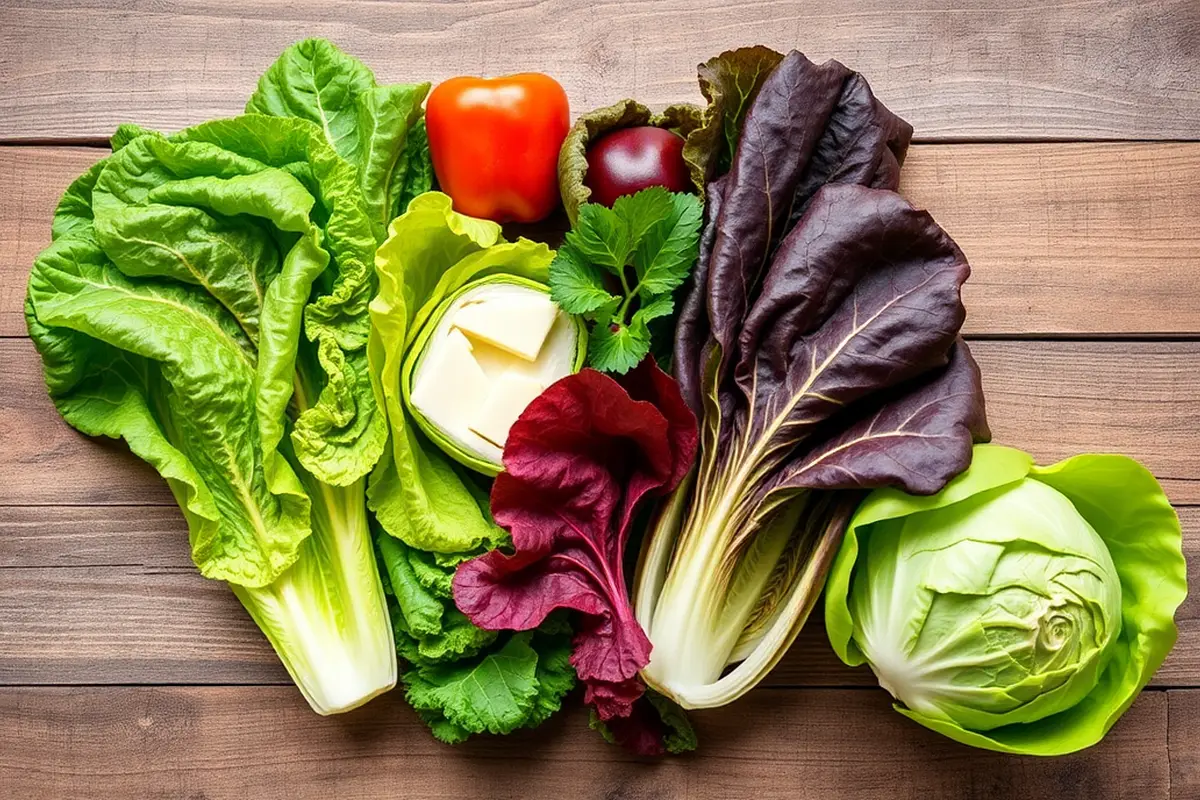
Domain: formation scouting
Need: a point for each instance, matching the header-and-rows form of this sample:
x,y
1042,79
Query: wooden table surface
x,y
1058,142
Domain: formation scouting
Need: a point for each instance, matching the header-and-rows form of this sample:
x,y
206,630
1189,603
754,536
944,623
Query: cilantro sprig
x,y
646,245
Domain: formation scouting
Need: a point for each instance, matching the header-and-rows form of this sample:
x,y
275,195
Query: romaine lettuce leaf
x,y
378,129
169,311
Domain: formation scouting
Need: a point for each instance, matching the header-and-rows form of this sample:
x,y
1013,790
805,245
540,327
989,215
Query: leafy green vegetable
x,y
1038,601
463,680
729,82
378,129
681,119
169,311
647,243
416,491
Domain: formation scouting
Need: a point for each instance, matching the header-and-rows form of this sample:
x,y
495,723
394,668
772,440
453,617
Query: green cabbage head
x,y
1020,609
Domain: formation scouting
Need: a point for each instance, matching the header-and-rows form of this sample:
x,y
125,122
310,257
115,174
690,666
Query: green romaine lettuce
x,y
378,129
1021,608
169,311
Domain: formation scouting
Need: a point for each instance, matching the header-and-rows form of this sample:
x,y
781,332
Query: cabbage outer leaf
x,y
417,493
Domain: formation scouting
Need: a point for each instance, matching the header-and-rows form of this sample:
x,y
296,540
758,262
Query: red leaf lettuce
x,y
577,463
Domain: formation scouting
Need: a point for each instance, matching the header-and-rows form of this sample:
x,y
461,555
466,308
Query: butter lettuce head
x,y
1020,609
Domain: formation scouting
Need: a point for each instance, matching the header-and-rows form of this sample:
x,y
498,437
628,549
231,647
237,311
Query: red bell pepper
x,y
495,144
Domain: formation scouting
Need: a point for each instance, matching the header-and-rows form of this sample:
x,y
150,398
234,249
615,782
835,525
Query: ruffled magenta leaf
x,y
577,464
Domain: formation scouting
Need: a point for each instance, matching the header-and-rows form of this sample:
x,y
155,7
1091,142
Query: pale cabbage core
x,y
458,410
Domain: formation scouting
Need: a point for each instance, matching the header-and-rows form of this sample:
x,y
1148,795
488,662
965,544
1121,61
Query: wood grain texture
x,y
1183,741
83,589
970,68
1054,399
1078,239
1091,239
219,743
31,182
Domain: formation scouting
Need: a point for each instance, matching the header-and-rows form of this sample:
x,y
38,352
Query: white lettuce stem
x,y
690,645
697,601
326,616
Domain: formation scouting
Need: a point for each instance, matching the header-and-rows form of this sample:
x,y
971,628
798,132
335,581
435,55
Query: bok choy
x,y
819,350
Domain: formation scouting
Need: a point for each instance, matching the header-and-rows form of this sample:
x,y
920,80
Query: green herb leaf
x,y
618,350
602,237
661,306
575,285
654,232
669,250
642,211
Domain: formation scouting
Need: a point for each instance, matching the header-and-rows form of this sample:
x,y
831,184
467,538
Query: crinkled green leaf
x,y
520,684
367,125
316,81
73,215
422,611
126,133
555,675
239,217
493,694
340,431
386,118
416,169
138,360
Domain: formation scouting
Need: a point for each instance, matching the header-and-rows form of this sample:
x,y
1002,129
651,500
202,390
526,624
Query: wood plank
x,y
965,69
105,625
1050,230
1054,399
48,462
82,588
33,180
263,742
1183,742
1078,239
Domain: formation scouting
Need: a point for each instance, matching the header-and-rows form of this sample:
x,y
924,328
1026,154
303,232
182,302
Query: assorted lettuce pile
x,y
433,514
244,301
